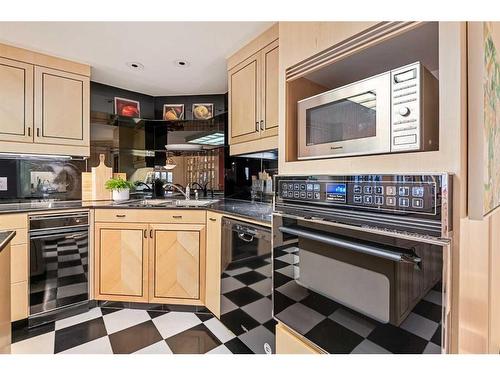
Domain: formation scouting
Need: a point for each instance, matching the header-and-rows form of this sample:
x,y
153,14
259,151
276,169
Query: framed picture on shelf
x,y
127,107
172,112
203,111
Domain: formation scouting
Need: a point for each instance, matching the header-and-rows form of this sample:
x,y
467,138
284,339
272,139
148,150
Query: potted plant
x,y
120,188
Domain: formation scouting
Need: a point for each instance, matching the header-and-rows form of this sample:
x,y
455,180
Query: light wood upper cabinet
x,y
253,94
16,101
175,261
44,104
121,256
244,100
61,107
270,68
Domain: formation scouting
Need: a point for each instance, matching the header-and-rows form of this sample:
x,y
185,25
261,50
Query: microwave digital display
x,y
336,192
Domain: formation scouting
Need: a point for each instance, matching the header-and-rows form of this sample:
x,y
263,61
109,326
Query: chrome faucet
x,y
186,193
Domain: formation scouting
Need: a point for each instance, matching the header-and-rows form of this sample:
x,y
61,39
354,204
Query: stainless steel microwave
x,y
396,111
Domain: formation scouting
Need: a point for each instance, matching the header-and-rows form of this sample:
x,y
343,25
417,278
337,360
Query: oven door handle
x,y
354,246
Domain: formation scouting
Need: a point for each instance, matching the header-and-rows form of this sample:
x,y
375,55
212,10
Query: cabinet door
x,y
61,107
213,268
270,68
16,101
121,256
244,100
177,262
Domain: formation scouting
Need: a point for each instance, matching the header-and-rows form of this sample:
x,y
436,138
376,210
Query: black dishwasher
x,y
58,266
246,307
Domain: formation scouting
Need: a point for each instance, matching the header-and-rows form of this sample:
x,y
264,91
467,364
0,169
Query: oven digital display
x,y
336,192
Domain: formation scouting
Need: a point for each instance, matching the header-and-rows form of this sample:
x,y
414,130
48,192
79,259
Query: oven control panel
x,y
380,193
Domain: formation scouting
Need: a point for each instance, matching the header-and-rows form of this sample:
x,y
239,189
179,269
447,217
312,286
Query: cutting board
x,y
100,175
87,184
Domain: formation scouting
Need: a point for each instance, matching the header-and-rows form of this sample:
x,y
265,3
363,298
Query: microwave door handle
x,y
353,246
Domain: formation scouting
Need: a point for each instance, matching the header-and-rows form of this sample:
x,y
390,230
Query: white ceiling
x,y
108,46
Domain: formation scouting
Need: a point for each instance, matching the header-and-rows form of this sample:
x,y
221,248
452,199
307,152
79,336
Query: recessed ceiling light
x,y
181,63
134,65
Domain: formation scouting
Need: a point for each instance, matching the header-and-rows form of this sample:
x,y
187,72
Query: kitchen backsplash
x,y
249,177
40,179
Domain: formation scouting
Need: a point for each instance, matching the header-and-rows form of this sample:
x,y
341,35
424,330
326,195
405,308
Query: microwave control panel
x,y
410,194
405,92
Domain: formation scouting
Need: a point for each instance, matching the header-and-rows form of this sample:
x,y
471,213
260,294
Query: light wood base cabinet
x,y
158,263
213,276
287,342
19,259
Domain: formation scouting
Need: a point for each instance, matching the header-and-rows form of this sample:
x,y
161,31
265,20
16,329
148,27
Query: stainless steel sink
x,y
168,203
194,202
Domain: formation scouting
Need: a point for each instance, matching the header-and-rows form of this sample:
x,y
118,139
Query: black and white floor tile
x,y
246,306
104,330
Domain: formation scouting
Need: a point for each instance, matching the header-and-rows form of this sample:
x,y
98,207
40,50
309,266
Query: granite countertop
x,y
246,209
6,237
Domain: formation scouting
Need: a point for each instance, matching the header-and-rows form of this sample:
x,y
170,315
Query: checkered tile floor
x,y
104,330
246,306
59,278
338,329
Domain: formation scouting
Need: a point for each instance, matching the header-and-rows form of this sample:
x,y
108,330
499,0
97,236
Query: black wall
x,y
102,99
219,101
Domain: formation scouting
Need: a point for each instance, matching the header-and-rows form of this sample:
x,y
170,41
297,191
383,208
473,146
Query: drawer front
x,y
13,221
151,216
19,301
18,263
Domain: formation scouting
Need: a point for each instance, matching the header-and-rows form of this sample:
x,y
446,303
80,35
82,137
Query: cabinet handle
x,y
256,126
38,132
151,233
29,131
262,127
177,216
120,215
212,219
145,233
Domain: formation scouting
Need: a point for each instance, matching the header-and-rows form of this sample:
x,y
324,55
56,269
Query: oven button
x,y
302,194
316,187
309,187
357,189
390,201
309,195
417,203
316,196
417,191
368,199
390,190
404,191
367,189
358,199
379,190
404,202
379,200
296,194
296,187
302,186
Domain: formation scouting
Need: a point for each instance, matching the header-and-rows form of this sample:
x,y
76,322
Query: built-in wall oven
x,y
361,263
395,111
58,259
